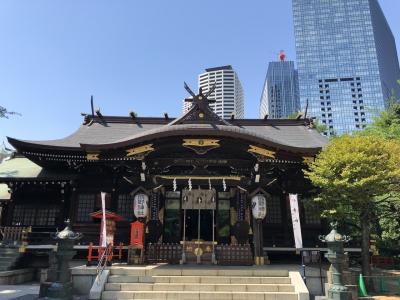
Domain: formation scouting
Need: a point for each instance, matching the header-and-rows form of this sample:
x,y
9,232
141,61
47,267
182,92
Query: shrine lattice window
x,y
172,217
27,215
312,213
274,212
85,207
125,206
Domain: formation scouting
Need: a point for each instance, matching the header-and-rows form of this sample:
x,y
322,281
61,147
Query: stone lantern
x,y
61,289
336,257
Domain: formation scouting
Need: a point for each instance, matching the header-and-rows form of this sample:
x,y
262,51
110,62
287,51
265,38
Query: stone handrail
x,y
14,234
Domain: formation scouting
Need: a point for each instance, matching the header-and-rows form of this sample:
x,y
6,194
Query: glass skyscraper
x,y
279,97
347,61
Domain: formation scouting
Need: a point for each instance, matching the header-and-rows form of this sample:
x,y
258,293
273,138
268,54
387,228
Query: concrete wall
x,y
82,279
16,276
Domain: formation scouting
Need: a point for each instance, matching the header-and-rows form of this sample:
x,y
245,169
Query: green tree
x,y
387,125
351,172
4,113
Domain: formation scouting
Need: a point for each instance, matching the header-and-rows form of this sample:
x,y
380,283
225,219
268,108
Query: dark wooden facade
x,y
164,156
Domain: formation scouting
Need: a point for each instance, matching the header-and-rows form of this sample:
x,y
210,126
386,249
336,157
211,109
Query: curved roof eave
x,y
208,130
17,144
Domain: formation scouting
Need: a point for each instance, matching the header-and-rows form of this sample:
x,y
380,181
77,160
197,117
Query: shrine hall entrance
x,y
199,230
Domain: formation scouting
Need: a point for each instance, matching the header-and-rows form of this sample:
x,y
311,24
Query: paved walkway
x,y
27,291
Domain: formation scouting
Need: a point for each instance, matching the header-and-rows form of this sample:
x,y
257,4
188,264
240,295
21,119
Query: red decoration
x,y
111,219
282,55
137,231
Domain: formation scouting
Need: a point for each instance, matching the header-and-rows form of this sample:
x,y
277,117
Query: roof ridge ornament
x,y
200,110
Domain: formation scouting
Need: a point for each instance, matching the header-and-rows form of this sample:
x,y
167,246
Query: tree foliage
x,y
355,169
387,125
4,113
353,173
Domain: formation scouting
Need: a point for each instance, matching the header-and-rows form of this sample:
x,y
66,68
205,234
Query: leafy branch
x,y
4,113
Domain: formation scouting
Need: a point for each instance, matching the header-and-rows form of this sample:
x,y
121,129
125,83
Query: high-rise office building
x,y
346,59
280,97
228,93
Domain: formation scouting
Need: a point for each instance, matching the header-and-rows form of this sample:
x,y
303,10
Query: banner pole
x,y
104,230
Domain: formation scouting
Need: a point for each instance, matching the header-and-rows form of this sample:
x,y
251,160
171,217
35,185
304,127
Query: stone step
x,y
200,272
9,249
6,263
196,295
198,279
199,287
9,255
8,258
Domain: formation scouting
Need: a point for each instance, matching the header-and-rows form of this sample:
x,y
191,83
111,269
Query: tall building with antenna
x,y
228,93
280,98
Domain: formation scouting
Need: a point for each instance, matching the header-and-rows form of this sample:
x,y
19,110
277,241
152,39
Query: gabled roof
x,y
102,132
109,131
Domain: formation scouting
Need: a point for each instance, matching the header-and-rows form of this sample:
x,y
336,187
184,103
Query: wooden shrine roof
x,y
103,133
112,132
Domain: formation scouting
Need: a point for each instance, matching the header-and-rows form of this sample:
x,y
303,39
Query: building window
x,y
86,205
28,215
274,215
312,213
125,206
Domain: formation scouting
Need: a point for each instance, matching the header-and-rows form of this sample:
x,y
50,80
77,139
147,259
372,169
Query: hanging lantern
x,y
141,205
259,206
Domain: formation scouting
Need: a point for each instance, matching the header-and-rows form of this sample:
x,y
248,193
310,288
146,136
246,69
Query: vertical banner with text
x,y
103,221
294,210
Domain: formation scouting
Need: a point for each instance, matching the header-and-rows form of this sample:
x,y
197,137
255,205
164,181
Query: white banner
x,y
294,210
103,221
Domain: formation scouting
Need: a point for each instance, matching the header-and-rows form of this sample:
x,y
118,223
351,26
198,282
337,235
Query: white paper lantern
x,y
259,207
141,205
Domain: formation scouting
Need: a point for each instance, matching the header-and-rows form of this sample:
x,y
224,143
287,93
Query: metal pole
x,y
303,267
320,273
184,237
198,238
213,261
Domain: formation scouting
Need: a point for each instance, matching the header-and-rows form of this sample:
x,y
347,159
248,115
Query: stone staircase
x,y
9,257
204,282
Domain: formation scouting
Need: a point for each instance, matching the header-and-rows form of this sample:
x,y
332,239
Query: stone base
x,y
59,291
16,276
82,279
44,286
339,295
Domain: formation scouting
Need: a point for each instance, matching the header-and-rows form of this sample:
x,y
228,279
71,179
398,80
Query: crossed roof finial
x,y
200,99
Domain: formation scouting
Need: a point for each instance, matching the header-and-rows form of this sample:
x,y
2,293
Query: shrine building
x,y
198,171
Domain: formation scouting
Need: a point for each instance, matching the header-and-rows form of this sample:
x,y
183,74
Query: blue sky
x,y
132,55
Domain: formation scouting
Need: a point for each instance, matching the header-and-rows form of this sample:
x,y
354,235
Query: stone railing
x,y
14,235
